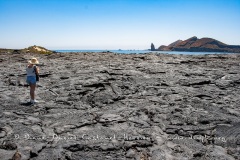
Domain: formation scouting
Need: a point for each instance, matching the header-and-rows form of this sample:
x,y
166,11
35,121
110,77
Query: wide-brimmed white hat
x,y
33,61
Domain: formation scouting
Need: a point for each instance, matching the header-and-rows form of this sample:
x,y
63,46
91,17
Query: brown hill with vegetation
x,y
31,49
37,49
194,44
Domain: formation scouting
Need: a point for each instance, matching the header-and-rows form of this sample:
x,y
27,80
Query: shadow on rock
x,y
26,104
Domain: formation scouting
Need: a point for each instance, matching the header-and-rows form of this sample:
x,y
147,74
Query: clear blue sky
x,y
115,24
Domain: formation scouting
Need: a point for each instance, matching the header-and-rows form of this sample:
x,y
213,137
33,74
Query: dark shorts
x,y
31,80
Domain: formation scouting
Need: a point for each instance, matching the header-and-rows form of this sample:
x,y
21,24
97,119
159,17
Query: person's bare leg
x,y
32,91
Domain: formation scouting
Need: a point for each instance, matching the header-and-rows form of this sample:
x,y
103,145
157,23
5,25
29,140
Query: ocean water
x,y
142,52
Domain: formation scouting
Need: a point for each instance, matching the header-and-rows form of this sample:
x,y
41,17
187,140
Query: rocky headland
x,y
195,44
121,106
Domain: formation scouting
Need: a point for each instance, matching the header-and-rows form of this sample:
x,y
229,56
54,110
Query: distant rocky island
x,y
194,44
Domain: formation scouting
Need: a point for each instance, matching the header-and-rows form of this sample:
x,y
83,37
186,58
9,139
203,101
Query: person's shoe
x,y
35,101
